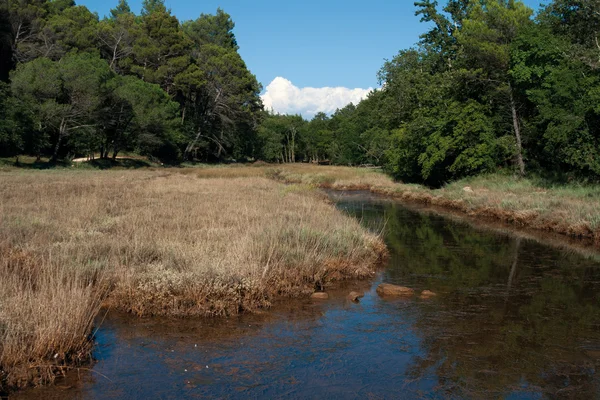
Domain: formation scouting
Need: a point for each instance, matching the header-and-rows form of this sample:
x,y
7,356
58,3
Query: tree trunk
x,y
293,149
61,133
220,145
517,129
191,145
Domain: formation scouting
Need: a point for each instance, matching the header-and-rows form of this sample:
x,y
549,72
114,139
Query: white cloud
x,y
283,97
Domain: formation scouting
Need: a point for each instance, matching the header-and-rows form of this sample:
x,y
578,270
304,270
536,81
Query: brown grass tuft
x,y
46,315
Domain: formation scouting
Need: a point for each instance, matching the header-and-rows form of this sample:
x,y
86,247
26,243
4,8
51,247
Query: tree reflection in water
x,y
512,315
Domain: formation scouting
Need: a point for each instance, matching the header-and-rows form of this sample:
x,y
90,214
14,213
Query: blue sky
x,y
315,44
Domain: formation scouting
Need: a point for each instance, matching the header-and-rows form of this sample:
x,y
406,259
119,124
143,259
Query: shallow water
x,y
514,318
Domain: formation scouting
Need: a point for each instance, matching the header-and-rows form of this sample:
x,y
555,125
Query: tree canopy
x,y
80,85
491,85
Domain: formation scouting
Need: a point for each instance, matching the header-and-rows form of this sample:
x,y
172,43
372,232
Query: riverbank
x,y
570,209
155,242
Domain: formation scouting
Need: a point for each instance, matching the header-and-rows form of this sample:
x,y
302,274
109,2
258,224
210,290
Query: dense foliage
x,y
78,85
491,85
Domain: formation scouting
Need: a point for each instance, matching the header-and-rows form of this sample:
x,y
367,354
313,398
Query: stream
x,y
515,317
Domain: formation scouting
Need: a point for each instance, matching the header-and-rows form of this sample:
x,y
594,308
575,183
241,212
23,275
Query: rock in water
x,y
387,289
427,294
354,296
319,295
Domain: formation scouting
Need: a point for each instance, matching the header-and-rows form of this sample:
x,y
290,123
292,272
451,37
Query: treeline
x,y
344,138
490,86
78,85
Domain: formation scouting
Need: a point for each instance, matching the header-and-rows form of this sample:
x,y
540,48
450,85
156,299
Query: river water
x,y
515,318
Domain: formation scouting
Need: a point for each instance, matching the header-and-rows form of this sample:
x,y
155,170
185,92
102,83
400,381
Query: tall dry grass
x,y
162,243
330,176
571,209
46,315
337,177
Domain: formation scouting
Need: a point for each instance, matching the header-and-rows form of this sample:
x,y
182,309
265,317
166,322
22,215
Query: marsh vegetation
x,y
571,209
155,243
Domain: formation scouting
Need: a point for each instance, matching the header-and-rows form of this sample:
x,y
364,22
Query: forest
x,y
492,85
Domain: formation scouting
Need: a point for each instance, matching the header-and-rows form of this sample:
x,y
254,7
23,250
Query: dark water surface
x,y
514,318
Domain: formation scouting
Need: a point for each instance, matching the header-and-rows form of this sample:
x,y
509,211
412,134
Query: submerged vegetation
x,y
155,243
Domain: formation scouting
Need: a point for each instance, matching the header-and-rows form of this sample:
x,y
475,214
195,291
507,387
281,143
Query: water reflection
x,y
513,318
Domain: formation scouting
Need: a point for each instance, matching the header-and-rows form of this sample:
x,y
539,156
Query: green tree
x,y
26,19
345,148
161,50
65,95
562,88
11,140
70,29
42,28
318,138
212,29
121,9
117,36
440,41
579,21
486,37
280,137
147,119
153,6
6,43
219,94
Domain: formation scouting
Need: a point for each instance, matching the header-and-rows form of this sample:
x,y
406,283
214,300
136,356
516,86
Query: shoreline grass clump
x,y
224,246
46,316
155,242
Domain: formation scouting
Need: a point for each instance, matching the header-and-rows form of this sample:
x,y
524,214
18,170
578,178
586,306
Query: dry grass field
x,y
155,242
569,209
